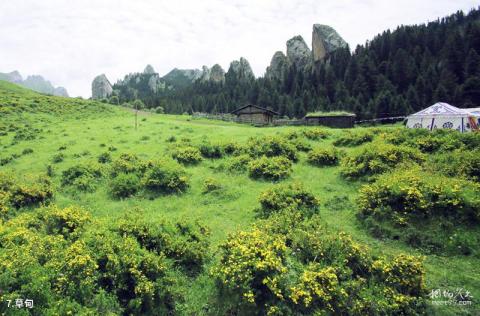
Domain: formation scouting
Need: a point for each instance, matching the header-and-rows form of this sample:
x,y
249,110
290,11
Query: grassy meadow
x,y
46,136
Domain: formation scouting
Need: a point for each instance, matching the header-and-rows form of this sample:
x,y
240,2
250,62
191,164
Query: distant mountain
x,y
35,83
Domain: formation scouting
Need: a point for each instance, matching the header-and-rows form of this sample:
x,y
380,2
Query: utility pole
x,y
136,114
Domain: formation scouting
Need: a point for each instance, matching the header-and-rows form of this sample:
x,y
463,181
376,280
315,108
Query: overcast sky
x,y
69,42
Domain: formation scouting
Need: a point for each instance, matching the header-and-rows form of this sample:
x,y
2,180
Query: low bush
x,y
185,242
239,163
69,267
324,157
26,192
124,185
301,145
127,163
33,192
27,151
210,185
287,198
57,158
459,163
165,177
105,157
272,146
211,150
310,270
412,200
67,222
232,148
187,155
274,168
6,160
82,177
315,133
351,139
378,158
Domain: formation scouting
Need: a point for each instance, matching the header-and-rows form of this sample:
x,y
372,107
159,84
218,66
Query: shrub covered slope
x,y
197,217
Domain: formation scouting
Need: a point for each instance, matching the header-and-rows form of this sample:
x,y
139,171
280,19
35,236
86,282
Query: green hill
x,y
189,216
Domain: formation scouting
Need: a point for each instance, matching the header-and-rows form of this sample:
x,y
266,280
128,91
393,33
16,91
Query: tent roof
x,y
445,109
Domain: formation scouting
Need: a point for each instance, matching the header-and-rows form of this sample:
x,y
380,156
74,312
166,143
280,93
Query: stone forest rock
x,y
324,41
298,52
101,87
149,70
278,66
241,69
217,74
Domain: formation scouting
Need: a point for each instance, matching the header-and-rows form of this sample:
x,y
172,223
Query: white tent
x,y
444,115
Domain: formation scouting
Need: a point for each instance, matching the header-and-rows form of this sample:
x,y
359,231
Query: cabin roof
x,y
257,107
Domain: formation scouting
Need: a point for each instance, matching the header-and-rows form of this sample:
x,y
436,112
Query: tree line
x,y
395,74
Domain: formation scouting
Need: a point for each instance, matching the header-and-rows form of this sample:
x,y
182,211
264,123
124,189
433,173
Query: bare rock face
x,y
205,74
278,66
217,74
149,70
298,52
241,69
325,40
101,87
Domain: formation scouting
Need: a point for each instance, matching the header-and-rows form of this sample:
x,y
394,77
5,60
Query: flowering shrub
x,y
378,158
324,157
308,270
36,191
66,222
29,191
184,242
165,177
319,287
250,268
68,267
127,163
4,205
315,133
274,168
187,155
351,139
459,163
271,146
415,196
287,197
410,204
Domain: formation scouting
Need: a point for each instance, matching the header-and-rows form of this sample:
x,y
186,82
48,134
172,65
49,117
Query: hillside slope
x,y
98,217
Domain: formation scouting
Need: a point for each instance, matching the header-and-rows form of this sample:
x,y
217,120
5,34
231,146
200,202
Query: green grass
x,y
88,129
332,113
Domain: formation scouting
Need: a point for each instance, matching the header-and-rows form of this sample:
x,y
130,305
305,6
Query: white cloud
x,y
71,41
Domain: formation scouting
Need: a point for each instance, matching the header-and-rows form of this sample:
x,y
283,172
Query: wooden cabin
x,y
331,119
254,114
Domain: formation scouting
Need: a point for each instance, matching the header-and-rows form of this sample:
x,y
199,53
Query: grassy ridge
x,y
82,130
